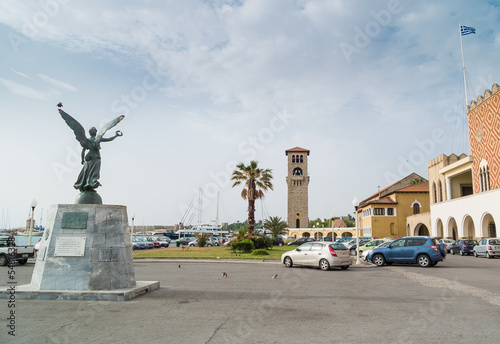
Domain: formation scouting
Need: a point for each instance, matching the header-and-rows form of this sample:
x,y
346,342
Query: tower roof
x,y
297,149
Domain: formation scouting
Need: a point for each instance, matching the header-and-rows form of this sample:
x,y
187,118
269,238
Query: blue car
x,y
421,250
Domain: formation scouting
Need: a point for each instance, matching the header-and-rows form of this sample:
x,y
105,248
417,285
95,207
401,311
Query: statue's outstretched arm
x,y
76,127
118,133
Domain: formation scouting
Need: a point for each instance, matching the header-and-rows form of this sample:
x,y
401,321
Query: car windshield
x,y
472,242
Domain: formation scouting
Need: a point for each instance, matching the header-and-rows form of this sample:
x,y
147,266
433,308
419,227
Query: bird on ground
x,y
275,276
224,274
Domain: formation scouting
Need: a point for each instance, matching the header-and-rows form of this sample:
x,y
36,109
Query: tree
x,y
275,225
256,181
416,181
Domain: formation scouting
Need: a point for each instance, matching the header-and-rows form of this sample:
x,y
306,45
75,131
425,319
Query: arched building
x,y
465,190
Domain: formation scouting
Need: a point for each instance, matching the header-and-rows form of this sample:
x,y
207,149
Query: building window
x,y
301,158
379,211
293,158
440,191
390,211
434,192
416,208
297,171
484,176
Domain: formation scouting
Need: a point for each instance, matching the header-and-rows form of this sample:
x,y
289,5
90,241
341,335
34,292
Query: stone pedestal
x,y
86,250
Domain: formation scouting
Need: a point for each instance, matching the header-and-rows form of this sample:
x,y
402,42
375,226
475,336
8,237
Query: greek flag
x,y
465,30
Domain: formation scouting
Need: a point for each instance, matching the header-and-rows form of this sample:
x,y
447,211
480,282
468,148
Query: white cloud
x,y
57,83
23,90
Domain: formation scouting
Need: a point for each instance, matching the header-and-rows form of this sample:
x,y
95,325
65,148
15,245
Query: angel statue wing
x,y
108,126
76,127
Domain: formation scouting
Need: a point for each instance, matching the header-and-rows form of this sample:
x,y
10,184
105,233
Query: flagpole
x,y
463,63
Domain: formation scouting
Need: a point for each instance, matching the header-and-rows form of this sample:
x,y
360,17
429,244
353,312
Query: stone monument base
x,y
28,292
85,254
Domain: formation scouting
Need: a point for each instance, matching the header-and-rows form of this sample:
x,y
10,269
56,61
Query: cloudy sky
x,y
373,89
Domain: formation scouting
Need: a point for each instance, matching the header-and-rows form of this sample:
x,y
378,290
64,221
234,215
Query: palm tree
x,y
256,181
275,225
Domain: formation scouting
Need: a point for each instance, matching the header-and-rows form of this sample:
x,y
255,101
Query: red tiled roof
x,y
297,149
383,200
419,187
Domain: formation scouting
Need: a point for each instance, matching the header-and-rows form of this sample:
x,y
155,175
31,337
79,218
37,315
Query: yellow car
x,y
373,243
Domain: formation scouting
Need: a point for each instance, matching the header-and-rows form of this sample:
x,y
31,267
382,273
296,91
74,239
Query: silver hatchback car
x,y
489,247
318,254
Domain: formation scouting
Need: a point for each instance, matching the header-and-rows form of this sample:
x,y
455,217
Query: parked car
x,y
216,240
448,243
366,252
422,250
300,241
372,244
327,238
142,243
489,247
464,246
156,243
318,254
163,240
343,240
210,242
278,241
185,240
10,251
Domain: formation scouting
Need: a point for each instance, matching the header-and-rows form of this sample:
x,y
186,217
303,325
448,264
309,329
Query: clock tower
x,y
298,188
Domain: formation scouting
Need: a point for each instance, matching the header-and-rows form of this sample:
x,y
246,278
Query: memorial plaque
x,y
74,220
70,247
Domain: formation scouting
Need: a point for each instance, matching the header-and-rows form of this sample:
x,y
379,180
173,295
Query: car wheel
x,y
461,252
424,261
488,255
345,267
3,260
167,245
353,252
475,254
324,265
452,252
209,245
288,262
280,244
378,260
22,261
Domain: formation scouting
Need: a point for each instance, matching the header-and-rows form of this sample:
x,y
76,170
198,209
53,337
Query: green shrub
x,y
245,245
260,252
263,242
202,238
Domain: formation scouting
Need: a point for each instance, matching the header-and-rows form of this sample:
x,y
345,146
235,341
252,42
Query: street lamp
x,y
355,203
33,206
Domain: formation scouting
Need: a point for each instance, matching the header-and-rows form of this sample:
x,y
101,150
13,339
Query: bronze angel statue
x,y
88,179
